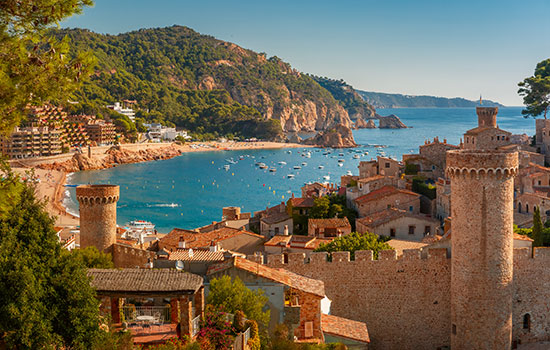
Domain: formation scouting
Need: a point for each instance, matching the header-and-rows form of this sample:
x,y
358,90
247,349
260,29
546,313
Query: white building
x,y
117,107
158,133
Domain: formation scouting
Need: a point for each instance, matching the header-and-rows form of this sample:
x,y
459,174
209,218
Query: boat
x,y
226,167
282,163
341,160
297,167
340,164
272,170
366,153
349,173
136,229
290,176
340,154
304,163
289,152
321,166
326,177
307,154
263,166
356,156
260,164
231,161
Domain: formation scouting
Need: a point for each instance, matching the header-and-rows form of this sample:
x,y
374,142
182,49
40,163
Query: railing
x,y
131,313
241,340
247,335
195,326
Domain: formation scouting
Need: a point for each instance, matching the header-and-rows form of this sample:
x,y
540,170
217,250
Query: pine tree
x,y
537,233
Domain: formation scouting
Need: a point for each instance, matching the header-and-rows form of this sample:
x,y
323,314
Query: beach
x,y
51,186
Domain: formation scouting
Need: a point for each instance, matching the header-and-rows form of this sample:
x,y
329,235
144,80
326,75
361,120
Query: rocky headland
x,y
338,137
116,155
390,122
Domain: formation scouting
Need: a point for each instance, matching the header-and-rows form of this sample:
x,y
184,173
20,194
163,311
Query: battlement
x,y
126,256
481,163
97,194
487,116
538,254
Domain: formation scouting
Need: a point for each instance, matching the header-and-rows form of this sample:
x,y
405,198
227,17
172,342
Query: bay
x,y
189,191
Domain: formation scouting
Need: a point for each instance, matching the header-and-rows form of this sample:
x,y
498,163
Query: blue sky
x,y
442,48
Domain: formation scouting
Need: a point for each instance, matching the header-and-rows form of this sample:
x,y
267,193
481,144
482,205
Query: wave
x,y
70,206
163,205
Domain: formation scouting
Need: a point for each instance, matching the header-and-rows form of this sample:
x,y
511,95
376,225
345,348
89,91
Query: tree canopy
x,y
34,66
355,241
234,296
536,91
47,300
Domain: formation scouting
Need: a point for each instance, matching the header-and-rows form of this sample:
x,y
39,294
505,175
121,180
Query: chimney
x,y
190,253
282,207
181,243
285,231
213,247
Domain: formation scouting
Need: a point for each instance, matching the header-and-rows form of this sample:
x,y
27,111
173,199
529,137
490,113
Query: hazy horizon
x,y
413,48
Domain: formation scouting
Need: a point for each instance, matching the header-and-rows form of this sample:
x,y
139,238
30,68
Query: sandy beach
x,y
51,186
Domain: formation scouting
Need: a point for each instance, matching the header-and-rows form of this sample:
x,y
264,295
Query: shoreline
x,y
52,181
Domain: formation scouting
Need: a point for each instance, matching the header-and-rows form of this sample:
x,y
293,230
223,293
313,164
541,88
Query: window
x,y
527,208
411,230
527,322
392,232
454,329
467,140
498,138
427,230
411,208
387,165
276,230
540,182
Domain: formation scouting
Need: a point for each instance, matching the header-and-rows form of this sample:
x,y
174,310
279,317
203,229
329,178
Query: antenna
x,y
179,265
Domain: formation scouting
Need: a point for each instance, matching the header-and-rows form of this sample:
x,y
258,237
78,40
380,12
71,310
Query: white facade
x,y
129,112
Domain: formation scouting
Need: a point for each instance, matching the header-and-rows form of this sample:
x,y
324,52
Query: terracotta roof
x,y
388,215
342,327
481,129
201,240
371,178
302,202
329,223
282,276
296,241
522,237
144,280
196,255
383,192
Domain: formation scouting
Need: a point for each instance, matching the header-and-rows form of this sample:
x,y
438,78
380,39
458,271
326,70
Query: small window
x,y
411,230
427,230
411,208
527,208
387,165
467,140
498,138
276,230
540,182
454,329
527,322
392,232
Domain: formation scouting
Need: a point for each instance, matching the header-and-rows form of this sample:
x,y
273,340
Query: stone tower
x,y
97,215
487,116
482,248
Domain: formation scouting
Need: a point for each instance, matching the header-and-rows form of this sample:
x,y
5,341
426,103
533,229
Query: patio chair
x,y
158,321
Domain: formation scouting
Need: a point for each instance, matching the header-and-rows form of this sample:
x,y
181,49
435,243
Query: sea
x,y
190,190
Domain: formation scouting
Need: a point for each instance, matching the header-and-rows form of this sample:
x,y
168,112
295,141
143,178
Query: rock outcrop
x,y
338,137
114,156
293,137
390,122
360,123
370,125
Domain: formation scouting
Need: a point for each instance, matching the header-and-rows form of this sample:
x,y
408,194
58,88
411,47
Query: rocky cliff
x,y
370,125
338,137
390,122
114,156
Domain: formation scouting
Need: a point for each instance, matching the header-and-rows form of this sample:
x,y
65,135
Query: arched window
x,y
519,207
527,208
527,322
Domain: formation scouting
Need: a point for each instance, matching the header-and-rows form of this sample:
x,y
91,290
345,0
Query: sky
x,y
443,48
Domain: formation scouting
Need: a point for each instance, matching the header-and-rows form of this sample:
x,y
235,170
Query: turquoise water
x,y
189,191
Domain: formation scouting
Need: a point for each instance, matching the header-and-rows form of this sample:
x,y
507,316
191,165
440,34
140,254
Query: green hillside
x,y
201,83
383,100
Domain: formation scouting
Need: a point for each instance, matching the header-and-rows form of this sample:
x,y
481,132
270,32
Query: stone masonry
x,y
97,215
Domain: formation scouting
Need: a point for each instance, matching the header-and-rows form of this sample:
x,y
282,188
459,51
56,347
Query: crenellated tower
x,y
97,215
482,247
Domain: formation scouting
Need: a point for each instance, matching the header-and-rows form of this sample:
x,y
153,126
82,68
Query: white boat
x,y
356,156
260,164
289,152
137,229
304,163
226,167
231,161
326,177
349,173
341,160
282,163
321,166
340,164
340,154
290,176
307,155
272,170
263,166
297,167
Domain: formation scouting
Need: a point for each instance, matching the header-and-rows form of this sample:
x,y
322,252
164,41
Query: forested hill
x,y
201,83
382,100
347,96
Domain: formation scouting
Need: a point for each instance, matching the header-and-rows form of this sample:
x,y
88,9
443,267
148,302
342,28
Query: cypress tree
x,y
537,229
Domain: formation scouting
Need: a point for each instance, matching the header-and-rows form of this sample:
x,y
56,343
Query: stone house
x,y
387,197
443,198
285,245
487,135
527,202
225,238
317,189
294,300
399,224
272,221
369,184
381,166
542,138
431,158
334,227
299,209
